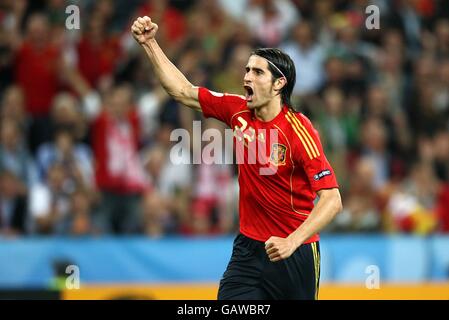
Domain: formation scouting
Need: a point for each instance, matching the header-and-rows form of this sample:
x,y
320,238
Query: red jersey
x,y
37,73
277,203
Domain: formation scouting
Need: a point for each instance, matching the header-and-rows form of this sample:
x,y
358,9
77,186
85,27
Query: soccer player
x,y
276,255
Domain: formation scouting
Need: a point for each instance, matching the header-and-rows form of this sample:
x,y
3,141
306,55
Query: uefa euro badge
x,y
278,154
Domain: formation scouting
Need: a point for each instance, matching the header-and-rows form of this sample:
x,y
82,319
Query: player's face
x,y
258,83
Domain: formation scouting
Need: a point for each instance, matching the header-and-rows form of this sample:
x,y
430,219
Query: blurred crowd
x,y
85,127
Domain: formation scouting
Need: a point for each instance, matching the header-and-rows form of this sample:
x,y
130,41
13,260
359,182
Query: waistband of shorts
x,y
253,243
249,242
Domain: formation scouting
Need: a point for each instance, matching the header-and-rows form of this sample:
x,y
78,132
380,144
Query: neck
x,y
269,111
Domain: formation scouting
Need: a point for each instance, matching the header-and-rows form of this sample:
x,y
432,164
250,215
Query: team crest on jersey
x,y
278,154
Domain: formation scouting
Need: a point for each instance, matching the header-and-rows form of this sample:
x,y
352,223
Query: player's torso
x,y
270,172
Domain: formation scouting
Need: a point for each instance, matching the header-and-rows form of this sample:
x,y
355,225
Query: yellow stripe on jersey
x,y
319,270
309,139
302,136
299,135
316,267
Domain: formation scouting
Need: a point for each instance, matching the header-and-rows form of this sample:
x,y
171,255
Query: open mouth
x,y
249,93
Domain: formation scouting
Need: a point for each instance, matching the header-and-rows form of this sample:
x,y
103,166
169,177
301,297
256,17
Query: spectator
x,y
76,159
374,147
50,201
119,173
404,17
14,155
442,37
66,116
420,110
170,181
360,213
378,105
349,43
335,125
270,21
410,208
149,108
309,55
331,121
335,74
442,90
218,28
11,17
36,69
212,196
13,106
230,79
41,71
13,206
390,72
79,219
442,209
441,154
158,220
172,21
98,52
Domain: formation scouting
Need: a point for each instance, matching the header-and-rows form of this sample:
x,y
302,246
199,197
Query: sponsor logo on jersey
x,y
321,174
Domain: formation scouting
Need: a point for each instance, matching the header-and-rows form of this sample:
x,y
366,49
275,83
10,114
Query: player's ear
x,y
280,83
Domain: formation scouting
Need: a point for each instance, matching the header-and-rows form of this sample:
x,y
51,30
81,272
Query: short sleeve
x,y
316,166
221,106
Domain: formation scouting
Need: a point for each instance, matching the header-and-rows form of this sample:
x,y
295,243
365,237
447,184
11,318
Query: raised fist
x,y
143,29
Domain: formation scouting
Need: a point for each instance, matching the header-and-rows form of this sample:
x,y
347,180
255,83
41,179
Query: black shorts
x,y
250,274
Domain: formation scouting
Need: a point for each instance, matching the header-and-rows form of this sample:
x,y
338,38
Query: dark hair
x,y
285,64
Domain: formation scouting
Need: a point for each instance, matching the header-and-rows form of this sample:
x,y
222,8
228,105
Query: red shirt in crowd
x,y
97,59
36,71
277,190
172,21
118,167
442,208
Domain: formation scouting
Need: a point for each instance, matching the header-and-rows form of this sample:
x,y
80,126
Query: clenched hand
x,y
143,29
279,248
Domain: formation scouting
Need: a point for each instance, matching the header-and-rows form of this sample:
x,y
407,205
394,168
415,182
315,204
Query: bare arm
x,y
327,207
173,81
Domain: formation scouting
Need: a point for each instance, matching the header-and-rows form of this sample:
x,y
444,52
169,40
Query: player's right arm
x,y
173,81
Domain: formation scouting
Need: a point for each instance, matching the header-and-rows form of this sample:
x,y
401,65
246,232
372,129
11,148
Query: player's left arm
x,y
322,180
329,204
